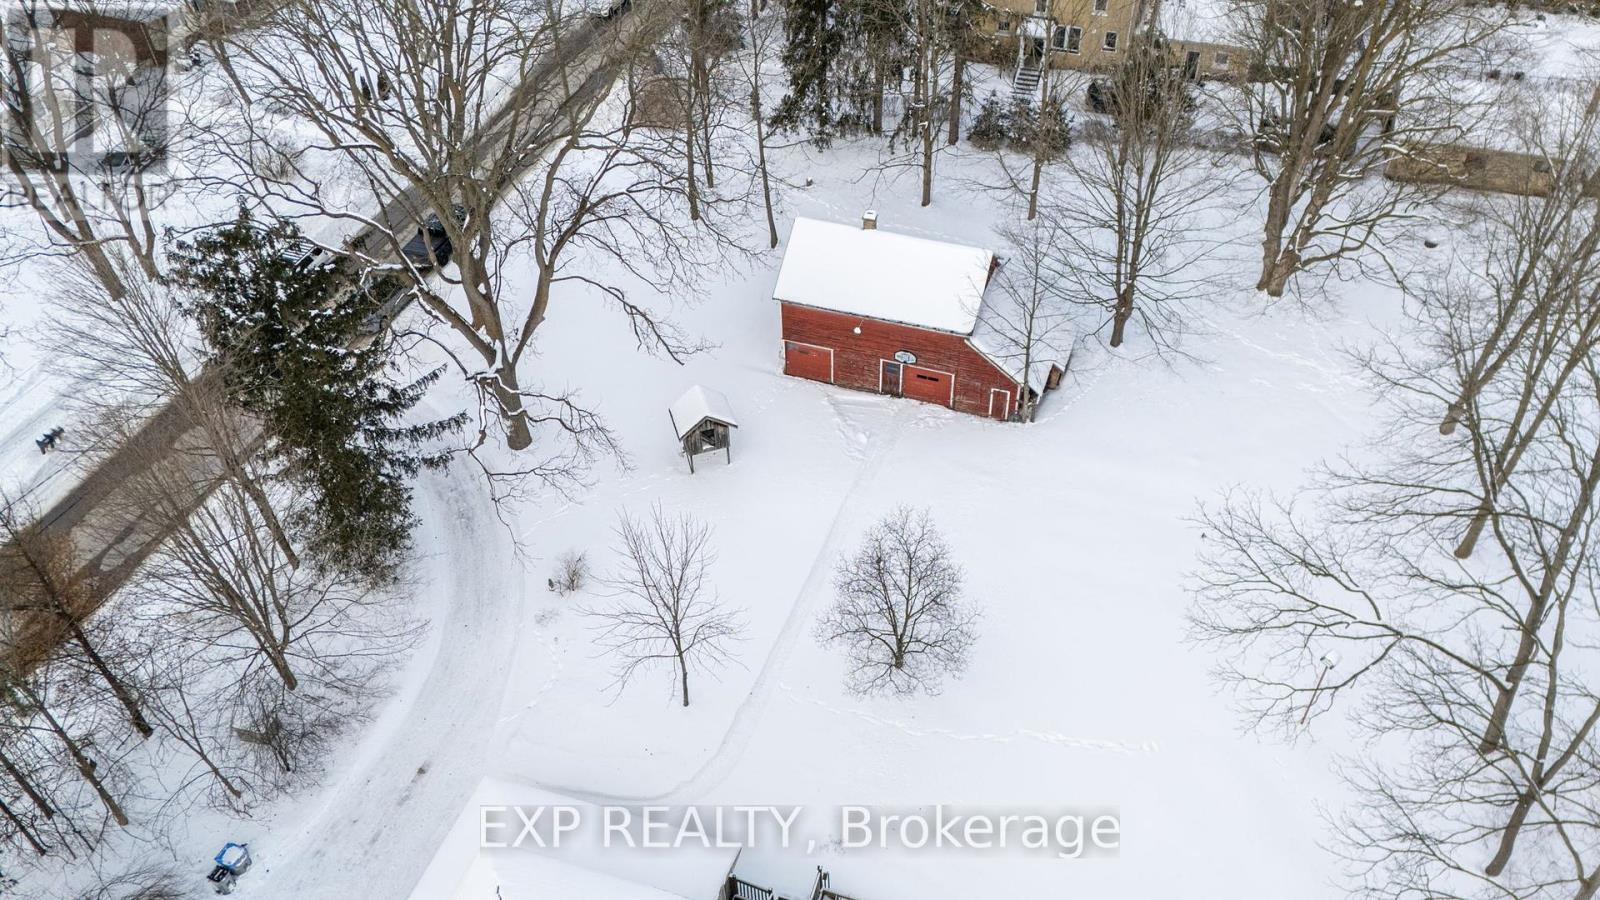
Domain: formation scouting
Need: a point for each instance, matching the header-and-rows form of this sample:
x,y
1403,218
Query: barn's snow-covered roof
x,y
1009,357
883,275
699,403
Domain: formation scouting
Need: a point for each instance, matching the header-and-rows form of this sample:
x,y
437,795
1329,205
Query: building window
x,y
1041,6
1005,23
1222,59
1101,7
1074,39
1058,38
1110,42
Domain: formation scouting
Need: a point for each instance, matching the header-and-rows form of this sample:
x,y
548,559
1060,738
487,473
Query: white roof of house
x,y
699,403
583,867
883,275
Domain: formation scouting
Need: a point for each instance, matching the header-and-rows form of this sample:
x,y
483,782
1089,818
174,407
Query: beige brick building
x,y
1094,34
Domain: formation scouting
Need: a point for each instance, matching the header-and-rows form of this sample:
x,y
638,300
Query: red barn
x,y
900,315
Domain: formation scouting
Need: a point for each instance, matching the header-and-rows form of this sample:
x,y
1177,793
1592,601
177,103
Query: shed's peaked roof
x,y
699,403
883,275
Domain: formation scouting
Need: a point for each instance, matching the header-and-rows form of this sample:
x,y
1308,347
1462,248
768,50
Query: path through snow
x,y
383,815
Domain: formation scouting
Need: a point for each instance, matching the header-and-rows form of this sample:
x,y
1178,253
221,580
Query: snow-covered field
x,y
1072,531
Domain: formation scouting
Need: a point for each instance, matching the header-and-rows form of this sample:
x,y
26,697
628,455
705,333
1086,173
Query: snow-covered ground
x,y
31,390
1073,535
1072,531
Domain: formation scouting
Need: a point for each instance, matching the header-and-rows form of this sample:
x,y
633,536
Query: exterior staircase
x,y
1025,84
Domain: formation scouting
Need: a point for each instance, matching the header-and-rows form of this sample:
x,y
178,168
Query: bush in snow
x,y
991,128
1046,133
572,572
899,613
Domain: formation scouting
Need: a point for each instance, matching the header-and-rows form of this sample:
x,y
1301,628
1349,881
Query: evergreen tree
x,y
991,129
813,42
291,341
1046,132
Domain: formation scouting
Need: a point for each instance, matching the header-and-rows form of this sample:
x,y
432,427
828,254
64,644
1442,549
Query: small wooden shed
x,y
703,420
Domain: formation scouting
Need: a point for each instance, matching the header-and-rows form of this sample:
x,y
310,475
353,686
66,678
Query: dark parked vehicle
x,y
432,237
1103,98
430,246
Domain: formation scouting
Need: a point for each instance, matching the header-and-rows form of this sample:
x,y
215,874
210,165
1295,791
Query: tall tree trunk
x,y
263,504
703,93
280,664
1508,837
513,412
1480,519
877,97
85,766
22,828
1277,272
957,84
119,688
1494,730
1590,886
60,603
28,787
1121,314
756,119
1033,188
1274,275
689,142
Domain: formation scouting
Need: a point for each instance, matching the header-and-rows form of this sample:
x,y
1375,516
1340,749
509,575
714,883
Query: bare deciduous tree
x,y
1342,89
1027,312
665,612
932,35
518,92
140,352
899,613
762,39
85,134
1473,674
41,580
1140,218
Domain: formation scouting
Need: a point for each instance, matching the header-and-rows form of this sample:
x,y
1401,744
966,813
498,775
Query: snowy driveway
x,y
390,801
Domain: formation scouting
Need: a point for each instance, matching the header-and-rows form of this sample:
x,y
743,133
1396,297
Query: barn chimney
x,y
869,220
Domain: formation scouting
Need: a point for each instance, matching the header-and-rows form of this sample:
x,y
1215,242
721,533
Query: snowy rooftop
x,y
882,275
581,868
1045,355
699,403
